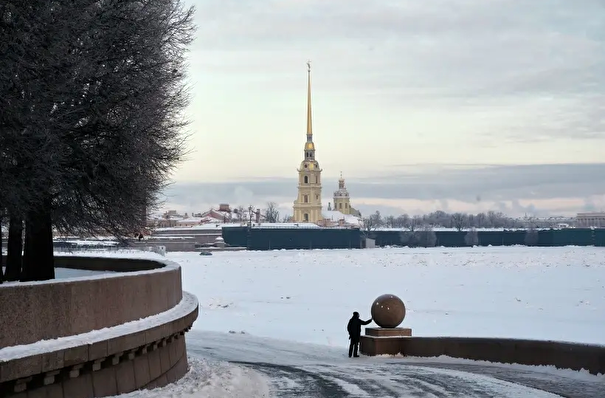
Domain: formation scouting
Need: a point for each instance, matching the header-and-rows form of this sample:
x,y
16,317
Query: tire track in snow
x,y
387,382
304,370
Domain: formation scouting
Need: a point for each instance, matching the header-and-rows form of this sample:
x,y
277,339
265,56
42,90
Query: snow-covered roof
x,y
207,227
336,215
285,225
190,220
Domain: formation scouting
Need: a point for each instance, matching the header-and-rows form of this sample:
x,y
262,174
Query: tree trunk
x,y
1,258
15,249
38,260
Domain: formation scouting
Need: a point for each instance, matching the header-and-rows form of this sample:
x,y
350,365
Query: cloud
x,y
526,71
516,189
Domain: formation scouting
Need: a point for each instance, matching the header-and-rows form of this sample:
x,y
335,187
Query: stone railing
x,y
95,336
562,355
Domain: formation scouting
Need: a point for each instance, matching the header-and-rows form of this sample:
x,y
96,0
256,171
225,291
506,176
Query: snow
x,y
519,292
219,226
190,220
555,293
88,242
215,379
578,375
209,227
336,215
71,275
285,225
65,273
291,307
352,375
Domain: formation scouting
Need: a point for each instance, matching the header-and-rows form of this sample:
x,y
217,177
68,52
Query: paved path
x,y
300,370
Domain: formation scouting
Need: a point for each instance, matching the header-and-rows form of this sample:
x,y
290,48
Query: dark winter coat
x,y
354,327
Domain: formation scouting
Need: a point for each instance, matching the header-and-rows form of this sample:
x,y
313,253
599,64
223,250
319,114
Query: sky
x,y
454,105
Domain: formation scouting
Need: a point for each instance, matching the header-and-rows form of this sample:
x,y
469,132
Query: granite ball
x,y
388,311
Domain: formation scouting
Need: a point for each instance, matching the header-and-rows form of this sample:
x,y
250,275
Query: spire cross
x,y
309,66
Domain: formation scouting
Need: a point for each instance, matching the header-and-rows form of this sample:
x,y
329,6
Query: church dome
x,y
342,189
341,193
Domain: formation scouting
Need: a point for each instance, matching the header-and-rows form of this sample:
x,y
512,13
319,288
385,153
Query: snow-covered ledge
x,y
126,329
561,354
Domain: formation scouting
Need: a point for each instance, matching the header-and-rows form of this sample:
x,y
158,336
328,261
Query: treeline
x,y
459,221
91,97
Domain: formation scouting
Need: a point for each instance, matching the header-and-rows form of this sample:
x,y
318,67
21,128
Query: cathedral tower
x,y
342,201
307,206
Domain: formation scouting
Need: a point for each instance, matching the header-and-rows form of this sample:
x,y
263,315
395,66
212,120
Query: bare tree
x,y
240,211
271,213
402,221
414,222
459,221
286,218
372,222
2,214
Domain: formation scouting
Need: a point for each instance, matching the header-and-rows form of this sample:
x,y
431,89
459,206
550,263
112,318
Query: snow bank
x,y
582,374
211,379
74,275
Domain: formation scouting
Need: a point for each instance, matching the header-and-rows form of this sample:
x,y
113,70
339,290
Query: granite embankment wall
x,y
526,352
107,334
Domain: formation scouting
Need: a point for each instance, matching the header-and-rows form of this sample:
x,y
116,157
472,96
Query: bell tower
x,y
307,206
342,200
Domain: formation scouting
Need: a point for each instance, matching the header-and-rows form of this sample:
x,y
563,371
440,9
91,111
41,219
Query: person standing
x,y
354,329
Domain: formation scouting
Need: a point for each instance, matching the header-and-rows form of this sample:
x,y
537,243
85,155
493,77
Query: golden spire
x,y
309,123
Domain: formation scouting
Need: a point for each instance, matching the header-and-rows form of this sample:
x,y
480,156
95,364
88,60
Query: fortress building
x,y
307,206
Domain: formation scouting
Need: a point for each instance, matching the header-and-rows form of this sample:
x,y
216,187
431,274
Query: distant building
x,y
588,220
166,220
223,215
342,200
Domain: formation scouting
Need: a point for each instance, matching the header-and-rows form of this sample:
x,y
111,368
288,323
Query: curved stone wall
x,y
107,334
41,311
562,355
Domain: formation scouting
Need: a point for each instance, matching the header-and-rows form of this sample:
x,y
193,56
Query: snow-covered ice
x,y
307,296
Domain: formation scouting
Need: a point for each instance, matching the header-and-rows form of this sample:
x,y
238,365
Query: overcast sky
x,y
459,105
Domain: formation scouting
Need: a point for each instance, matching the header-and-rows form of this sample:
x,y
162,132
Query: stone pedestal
x,y
388,332
384,341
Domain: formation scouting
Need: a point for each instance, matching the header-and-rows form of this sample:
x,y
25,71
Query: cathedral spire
x,y
309,122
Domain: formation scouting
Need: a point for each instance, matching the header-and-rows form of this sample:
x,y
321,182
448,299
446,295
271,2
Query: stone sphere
x,y
388,311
